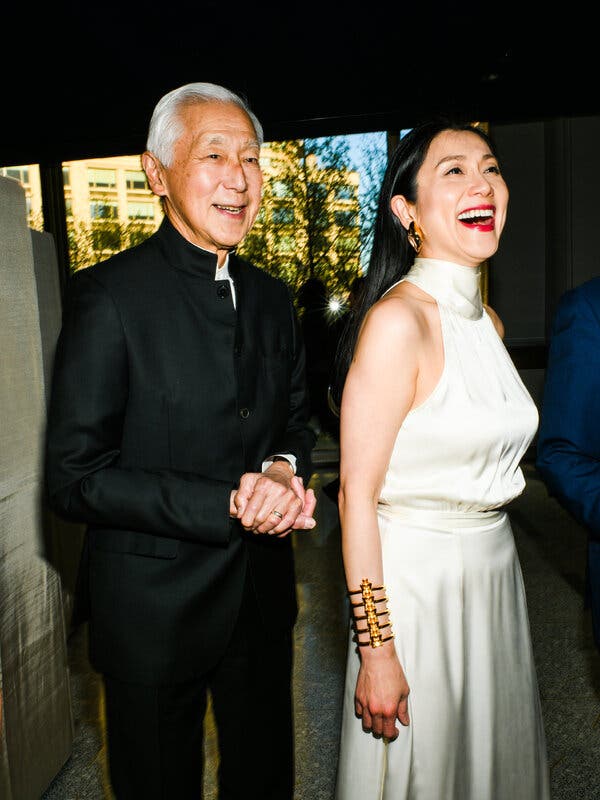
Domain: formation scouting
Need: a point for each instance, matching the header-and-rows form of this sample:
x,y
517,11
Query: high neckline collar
x,y
452,285
186,256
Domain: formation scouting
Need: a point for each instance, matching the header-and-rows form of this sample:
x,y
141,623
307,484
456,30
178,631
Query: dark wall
x,y
550,242
585,208
517,271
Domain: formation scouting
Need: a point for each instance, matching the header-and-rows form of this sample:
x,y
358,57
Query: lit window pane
x,y
104,211
102,178
109,208
140,211
28,176
136,180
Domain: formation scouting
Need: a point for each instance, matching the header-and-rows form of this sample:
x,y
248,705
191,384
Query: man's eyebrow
x,y
217,138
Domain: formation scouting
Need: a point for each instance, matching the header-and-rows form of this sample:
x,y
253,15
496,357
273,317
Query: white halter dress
x,y
454,581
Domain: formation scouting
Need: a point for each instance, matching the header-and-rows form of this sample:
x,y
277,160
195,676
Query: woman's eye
x,y
454,171
495,169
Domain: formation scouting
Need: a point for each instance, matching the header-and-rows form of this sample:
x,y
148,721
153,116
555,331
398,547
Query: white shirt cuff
x,y
288,457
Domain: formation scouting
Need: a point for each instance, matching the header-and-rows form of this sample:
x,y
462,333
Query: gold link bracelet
x,y
371,616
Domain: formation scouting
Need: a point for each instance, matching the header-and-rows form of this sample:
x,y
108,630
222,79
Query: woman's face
x,y
461,199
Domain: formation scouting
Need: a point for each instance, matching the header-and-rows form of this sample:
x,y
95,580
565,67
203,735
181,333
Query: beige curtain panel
x,y
36,723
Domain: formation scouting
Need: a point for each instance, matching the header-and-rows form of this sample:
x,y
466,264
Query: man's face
x,y
212,190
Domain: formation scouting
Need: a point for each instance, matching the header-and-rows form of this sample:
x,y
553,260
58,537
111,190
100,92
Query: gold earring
x,y
415,237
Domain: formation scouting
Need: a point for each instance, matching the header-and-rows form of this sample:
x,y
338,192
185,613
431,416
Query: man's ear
x,y
154,172
402,209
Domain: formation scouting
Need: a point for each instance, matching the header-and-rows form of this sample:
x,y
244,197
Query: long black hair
x,y
392,255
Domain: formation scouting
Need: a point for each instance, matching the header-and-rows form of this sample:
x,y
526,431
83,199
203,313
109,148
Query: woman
x,y
441,698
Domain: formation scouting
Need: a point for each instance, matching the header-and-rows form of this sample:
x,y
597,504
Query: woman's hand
x,y
382,692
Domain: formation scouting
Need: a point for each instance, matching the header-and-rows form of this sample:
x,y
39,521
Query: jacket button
x,y
244,413
223,291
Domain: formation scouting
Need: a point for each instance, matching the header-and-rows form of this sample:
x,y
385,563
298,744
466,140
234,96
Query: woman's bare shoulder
x,y
397,315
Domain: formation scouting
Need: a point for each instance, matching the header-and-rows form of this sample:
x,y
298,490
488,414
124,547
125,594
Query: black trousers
x,y
155,734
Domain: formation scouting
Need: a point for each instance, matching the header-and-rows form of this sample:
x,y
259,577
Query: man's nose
x,y
235,177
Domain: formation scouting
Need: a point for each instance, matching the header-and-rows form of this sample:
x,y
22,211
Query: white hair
x,y
166,126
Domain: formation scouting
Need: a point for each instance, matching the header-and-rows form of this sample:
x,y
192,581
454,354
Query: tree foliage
x,y
374,159
315,219
309,225
96,241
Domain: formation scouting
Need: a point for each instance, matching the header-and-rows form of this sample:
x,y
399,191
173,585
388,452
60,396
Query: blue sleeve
x,y
568,449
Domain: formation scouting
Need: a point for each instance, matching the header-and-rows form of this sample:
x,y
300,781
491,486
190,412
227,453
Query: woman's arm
x,y
380,389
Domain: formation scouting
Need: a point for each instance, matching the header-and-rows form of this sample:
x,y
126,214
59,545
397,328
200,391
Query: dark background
x,y
81,81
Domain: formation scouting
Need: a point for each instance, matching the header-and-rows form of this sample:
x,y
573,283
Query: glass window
x,y
28,176
90,197
99,210
66,172
102,178
140,211
136,179
20,174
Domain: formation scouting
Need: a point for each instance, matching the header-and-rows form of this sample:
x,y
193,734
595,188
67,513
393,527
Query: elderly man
x,y
178,431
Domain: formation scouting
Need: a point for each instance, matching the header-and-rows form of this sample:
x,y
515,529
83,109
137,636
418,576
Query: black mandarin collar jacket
x,y
163,395
184,255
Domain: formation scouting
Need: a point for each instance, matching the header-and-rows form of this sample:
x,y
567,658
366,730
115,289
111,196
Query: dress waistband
x,y
439,517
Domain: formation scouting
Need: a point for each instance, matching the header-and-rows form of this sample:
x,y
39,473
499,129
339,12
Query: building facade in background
x,y
308,225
